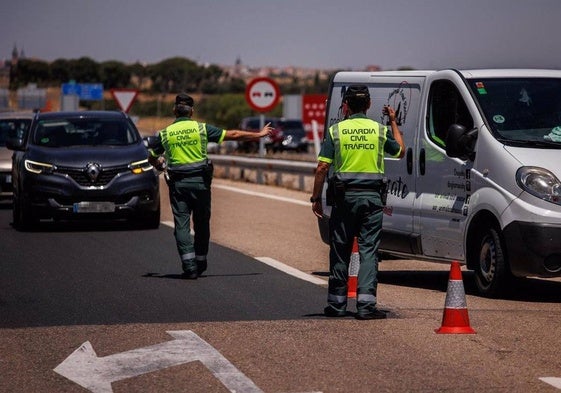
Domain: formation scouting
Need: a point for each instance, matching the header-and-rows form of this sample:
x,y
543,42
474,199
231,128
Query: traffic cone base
x,y
455,319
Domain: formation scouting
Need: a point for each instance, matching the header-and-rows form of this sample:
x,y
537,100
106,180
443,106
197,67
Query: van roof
x,y
359,76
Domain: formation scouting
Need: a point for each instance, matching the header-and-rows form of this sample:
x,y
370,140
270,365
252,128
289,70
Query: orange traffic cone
x,y
353,271
455,318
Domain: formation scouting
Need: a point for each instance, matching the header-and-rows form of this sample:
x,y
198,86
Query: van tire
x,y
491,269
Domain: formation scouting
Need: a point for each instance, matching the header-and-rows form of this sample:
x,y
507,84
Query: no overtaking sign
x,y
262,94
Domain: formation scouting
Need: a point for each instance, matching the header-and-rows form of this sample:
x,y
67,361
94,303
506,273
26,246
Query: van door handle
x,y
422,162
409,160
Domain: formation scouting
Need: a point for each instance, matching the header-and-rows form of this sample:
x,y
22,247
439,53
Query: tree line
x,y
168,76
222,99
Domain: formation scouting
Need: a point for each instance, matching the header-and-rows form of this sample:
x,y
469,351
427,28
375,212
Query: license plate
x,y
94,207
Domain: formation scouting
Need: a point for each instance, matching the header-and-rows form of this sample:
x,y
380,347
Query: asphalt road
x,y
116,291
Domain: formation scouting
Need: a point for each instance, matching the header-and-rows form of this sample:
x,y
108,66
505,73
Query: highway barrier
x,y
296,175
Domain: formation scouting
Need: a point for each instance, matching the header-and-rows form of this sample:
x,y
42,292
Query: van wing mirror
x,y
461,142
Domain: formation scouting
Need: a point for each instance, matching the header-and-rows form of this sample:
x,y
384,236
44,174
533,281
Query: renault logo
x,y
93,170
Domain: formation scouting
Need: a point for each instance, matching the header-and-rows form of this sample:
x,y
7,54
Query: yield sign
x,y
124,98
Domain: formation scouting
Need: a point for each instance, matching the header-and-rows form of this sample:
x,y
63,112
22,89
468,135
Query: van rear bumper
x,y
533,249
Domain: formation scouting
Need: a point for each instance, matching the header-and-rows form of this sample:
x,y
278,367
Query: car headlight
x,y
539,182
140,166
39,167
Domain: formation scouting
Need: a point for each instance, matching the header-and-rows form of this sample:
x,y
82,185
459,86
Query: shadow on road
x,y
521,289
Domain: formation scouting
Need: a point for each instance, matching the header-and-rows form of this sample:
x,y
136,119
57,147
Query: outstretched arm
x,y
239,135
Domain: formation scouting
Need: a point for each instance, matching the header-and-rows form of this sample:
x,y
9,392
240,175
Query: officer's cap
x,y
357,92
184,99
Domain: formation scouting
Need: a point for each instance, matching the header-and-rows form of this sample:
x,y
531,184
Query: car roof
x,y
17,115
82,114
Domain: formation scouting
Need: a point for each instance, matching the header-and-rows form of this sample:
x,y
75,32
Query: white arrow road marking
x,y
96,374
553,381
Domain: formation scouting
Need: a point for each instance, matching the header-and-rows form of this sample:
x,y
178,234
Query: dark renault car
x,y
83,164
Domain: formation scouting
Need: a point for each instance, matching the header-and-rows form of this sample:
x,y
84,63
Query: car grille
x,y
80,176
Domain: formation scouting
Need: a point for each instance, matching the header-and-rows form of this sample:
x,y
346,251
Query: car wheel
x,y
23,216
491,269
148,220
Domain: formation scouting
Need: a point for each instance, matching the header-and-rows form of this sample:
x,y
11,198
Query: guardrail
x,y
296,175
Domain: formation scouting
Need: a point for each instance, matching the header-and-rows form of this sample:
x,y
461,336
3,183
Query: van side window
x,y
446,107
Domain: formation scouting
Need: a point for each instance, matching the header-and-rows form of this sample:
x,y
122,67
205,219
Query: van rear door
x,y
401,90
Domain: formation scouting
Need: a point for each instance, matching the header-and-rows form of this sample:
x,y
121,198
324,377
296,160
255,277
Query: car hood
x,y
81,155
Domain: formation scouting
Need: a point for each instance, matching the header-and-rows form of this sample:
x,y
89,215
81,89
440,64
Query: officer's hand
x,y
317,208
159,163
266,131
388,110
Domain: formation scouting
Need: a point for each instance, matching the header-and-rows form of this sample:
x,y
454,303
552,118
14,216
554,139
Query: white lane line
x,y
292,271
266,260
261,194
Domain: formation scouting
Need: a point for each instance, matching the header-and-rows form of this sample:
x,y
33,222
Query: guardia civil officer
x,y
355,147
183,147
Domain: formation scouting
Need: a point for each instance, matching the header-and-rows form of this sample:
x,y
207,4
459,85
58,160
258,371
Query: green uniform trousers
x,y
359,215
191,197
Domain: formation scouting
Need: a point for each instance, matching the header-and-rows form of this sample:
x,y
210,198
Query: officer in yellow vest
x,y
355,147
183,147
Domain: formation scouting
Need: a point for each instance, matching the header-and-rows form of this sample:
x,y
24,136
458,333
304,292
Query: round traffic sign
x,y
262,94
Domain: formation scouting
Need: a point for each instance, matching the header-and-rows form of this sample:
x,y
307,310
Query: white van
x,y
480,181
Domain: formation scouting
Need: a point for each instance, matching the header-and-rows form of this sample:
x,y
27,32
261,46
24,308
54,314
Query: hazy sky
x,y
327,34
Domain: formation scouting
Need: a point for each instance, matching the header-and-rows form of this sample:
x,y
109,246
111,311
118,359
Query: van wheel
x,y
491,269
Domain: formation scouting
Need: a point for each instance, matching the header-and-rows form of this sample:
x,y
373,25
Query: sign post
x,y
262,94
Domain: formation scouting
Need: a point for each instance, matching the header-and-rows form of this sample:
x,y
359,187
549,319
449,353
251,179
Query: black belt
x,y
180,176
375,189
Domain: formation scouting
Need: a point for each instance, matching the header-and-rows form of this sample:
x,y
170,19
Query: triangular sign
x,y
124,98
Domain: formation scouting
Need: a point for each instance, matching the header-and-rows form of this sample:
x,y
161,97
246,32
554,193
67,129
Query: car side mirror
x,y
14,143
150,141
461,142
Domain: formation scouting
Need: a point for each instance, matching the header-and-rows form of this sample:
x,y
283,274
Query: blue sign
x,y
85,91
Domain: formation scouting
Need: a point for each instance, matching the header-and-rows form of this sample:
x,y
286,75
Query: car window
x,y
294,127
446,107
12,128
84,132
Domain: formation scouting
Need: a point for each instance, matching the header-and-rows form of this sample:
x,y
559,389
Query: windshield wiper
x,y
544,143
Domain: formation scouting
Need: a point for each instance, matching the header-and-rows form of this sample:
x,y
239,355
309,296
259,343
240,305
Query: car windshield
x,y
84,132
293,127
521,110
12,128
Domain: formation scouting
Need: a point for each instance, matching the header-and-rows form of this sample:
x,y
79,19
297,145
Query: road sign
x,y
124,98
262,94
85,91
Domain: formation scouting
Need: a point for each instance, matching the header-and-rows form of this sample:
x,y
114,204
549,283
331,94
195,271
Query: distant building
x,y
8,66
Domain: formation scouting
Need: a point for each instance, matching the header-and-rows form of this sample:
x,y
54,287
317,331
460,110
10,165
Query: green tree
x,y
175,75
84,70
139,74
30,71
60,71
115,74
